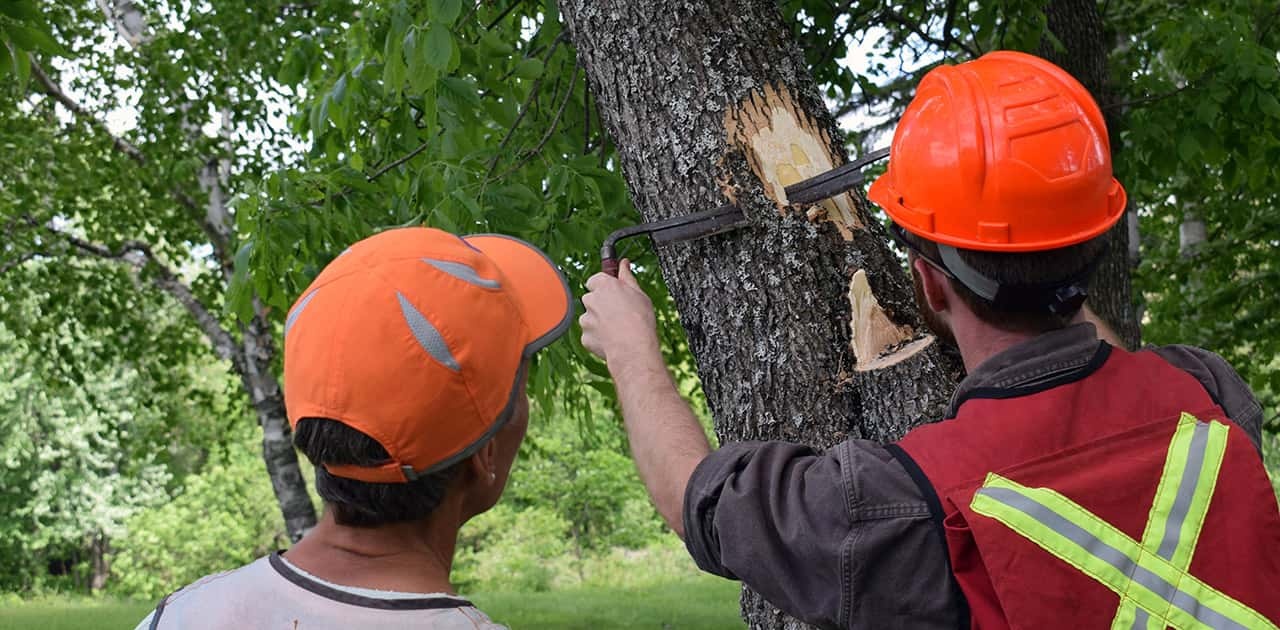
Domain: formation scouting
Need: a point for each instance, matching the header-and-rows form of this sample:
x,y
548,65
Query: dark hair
x,y
1032,268
359,503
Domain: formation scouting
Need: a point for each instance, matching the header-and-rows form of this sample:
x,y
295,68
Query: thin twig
x,y
524,109
849,25
555,122
405,158
19,262
471,12
947,24
973,32
586,125
505,12
1147,100
918,30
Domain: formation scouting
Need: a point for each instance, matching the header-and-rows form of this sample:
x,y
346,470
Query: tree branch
x,y
555,122
505,12
947,24
405,158
524,109
9,266
217,239
1147,100
918,30
55,91
139,255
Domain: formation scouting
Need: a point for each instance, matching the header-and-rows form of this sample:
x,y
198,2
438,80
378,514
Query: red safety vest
x,y
1121,499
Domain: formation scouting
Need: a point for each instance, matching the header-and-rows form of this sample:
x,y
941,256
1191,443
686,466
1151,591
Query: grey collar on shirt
x,y
1059,355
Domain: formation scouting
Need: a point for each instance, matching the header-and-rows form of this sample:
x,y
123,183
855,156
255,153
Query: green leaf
x,y
319,115
430,109
7,63
604,387
1267,102
529,68
21,10
444,11
22,68
239,291
339,91
461,93
469,203
28,38
1188,148
437,49
294,67
493,44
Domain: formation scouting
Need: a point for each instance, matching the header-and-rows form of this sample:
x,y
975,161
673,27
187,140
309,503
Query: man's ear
x,y
932,285
484,463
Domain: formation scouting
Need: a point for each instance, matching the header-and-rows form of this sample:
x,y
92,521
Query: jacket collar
x,y
1053,358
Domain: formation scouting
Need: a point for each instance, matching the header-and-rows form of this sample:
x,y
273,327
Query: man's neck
x,y
407,557
979,341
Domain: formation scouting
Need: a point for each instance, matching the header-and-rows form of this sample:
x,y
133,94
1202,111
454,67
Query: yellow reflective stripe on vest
x,y
1181,503
1156,586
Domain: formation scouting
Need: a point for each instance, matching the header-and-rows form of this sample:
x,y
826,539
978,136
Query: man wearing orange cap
x,y
1073,484
405,366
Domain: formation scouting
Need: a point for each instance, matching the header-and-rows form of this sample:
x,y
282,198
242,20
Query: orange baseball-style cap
x,y
417,338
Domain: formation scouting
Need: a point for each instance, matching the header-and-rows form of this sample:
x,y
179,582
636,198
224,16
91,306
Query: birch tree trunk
x,y
258,347
803,325
254,352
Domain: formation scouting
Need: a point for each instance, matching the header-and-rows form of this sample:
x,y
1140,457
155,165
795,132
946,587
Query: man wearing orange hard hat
x,y
405,364
1072,484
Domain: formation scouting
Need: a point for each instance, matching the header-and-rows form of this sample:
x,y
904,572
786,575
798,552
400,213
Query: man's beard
x,y
931,319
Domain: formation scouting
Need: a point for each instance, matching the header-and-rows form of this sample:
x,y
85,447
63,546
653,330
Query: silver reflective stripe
x,y
297,310
1186,491
1181,506
1140,618
427,335
462,272
1112,556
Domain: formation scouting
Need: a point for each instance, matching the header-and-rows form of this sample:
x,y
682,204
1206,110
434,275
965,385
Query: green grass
x,y
73,614
702,602
705,602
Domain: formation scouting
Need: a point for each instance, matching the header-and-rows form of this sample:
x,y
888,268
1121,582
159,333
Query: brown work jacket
x,y
844,539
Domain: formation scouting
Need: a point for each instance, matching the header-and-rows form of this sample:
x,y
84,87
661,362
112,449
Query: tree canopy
x,y
175,173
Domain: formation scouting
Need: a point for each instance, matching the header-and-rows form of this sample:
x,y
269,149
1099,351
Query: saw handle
x,y
609,266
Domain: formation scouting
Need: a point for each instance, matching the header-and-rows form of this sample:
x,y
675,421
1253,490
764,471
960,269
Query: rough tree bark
x,y
803,325
1078,26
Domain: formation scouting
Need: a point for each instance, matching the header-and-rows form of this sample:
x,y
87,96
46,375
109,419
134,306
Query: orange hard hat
x,y
1006,153
418,339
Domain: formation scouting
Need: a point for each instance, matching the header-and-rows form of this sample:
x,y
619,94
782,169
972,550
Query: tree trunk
x,y
253,354
1078,27
99,561
803,325
277,438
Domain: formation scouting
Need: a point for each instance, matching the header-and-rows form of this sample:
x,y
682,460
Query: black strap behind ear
x,y
1063,297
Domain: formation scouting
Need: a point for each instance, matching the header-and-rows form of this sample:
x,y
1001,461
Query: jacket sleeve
x,y
839,539
1224,385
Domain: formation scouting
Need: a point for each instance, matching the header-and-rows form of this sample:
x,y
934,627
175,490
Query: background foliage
x,y
327,120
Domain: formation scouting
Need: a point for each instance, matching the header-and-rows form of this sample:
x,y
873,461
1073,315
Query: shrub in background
x,y
224,517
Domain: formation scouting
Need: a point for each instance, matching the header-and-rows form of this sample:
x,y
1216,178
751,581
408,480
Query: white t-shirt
x,y
272,593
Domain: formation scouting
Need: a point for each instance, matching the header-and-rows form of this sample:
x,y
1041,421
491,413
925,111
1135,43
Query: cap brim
x,y
537,286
